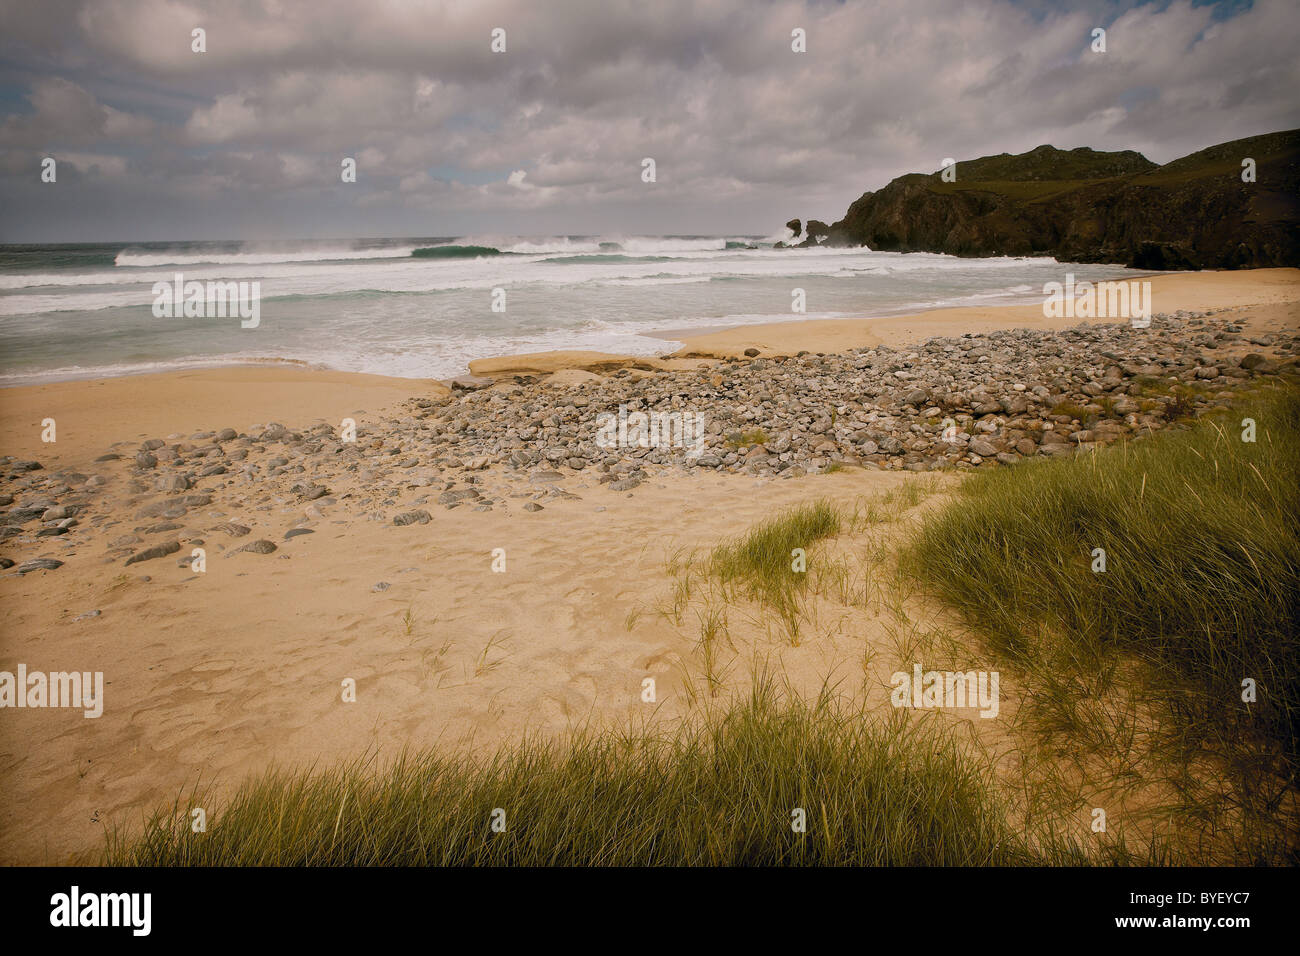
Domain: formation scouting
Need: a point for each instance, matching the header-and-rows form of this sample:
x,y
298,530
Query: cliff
x,y
1082,205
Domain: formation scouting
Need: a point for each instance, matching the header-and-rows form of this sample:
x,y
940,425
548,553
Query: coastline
x,y
1183,291
93,414
375,560
244,395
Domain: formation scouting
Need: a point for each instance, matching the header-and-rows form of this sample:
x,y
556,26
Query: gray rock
x,y
38,564
157,551
173,482
260,546
1253,360
163,528
456,495
412,517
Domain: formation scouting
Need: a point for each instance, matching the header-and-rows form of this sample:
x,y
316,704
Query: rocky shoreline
x,y
963,402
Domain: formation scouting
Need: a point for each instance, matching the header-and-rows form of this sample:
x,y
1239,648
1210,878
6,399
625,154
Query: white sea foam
x,y
371,306
128,259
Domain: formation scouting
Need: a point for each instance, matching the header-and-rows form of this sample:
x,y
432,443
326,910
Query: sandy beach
x,y
217,675
1169,293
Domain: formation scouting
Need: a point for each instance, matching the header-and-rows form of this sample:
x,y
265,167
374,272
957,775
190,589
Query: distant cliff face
x,y
1086,206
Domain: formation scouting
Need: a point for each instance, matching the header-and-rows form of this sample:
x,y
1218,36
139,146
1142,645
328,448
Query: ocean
x,y
423,308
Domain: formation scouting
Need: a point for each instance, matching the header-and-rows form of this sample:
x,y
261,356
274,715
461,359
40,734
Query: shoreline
x,y
1171,292
151,404
373,560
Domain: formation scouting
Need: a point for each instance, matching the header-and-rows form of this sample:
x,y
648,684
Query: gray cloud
x,y
155,141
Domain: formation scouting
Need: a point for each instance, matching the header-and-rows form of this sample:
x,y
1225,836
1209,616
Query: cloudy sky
x,y
246,140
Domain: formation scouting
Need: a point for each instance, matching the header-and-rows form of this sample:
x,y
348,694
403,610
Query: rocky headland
x,y
1201,211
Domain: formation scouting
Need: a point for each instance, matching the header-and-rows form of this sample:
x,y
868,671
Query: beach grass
x,y
769,563
763,559
1171,563
768,779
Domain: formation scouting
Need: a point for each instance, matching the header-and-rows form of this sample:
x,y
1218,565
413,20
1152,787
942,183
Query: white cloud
x,y
745,132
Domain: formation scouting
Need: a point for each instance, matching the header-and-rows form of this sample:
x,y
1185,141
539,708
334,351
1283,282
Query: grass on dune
x,y
769,562
1201,582
762,558
719,791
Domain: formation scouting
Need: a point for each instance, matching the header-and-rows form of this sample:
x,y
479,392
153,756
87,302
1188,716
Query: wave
x,y
455,252
596,245
539,246
135,259
663,278
69,373
606,258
